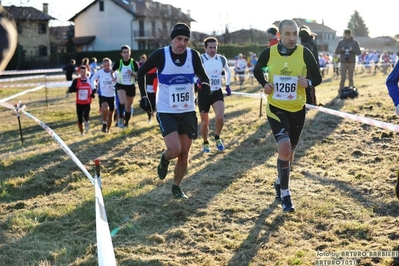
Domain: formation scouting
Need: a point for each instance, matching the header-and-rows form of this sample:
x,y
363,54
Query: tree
x,y
357,26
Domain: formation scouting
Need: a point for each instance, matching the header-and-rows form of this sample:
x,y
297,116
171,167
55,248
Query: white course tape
x,y
105,249
33,77
31,71
21,93
54,84
251,95
106,255
357,118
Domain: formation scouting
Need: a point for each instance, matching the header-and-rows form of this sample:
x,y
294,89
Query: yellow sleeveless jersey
x,y
284,71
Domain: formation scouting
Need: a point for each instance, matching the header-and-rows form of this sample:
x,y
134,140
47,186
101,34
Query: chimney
x,y
45,8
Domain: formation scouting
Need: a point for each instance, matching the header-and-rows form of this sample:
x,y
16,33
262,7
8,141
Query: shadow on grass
x,y
358,195
55,166
153,210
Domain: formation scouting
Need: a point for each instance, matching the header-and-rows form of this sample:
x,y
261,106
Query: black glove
x,y
93,93
145,104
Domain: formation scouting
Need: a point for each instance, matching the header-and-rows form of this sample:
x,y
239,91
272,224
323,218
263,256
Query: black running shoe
x,y
162,168
104,129
287,204
178,193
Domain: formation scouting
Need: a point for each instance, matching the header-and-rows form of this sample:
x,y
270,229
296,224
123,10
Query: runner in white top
x,y
214,64
106,92
177,65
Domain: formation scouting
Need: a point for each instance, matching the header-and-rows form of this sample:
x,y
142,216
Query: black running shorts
x,y
205,100
109,100
184,123
130,89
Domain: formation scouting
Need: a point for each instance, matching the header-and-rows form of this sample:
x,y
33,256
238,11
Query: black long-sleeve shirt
x,y
157,59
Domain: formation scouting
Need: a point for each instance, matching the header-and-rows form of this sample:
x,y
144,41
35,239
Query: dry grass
x,y
342,184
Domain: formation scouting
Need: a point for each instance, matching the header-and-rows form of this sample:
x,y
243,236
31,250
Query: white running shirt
x,y
214,68
175,92
104,81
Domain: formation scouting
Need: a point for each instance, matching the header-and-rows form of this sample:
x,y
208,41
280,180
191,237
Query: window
x,y
42,27
141,28
42,50
101,6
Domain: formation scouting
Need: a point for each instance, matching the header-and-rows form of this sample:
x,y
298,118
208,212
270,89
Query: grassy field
x,y
342,185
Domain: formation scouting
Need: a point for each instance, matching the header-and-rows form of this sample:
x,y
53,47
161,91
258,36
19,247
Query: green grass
x,y
342,185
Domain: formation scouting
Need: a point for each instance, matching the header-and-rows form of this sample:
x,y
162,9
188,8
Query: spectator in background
x,y
367,58
376,61
241,65
335,63
69,70
322,64
386,62
394,59
251,65
93,66
272,35
348,48
308,40
142,60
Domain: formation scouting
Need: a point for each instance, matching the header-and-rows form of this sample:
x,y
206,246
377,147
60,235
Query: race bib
x,y
285,88
83,95
126,78
180,96
215,81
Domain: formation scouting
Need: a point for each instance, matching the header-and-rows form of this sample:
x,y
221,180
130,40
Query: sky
x,y
212,16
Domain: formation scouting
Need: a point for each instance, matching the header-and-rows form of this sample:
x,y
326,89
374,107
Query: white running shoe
x,y
120,123
87,125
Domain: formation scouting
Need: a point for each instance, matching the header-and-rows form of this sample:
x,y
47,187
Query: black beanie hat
x,y
180,29
272,31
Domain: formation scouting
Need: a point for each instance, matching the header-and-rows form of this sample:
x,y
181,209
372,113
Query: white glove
x,y
397,109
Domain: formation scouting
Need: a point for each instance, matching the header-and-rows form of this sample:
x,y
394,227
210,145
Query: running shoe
x,y
219,145
162,168
178,193
120,123
277,187
287,204
206,148
87,125
104,129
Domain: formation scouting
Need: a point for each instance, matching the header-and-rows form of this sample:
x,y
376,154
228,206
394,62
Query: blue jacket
x,y
392,84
